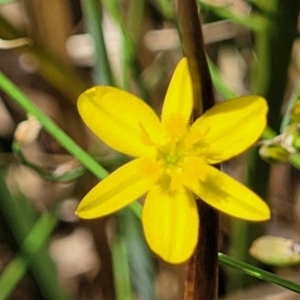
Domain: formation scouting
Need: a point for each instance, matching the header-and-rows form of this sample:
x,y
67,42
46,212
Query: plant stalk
x,y
202,271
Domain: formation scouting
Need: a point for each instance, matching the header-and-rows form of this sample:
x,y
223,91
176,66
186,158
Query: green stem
x,y
252,22
11,90
274,45
140,259
61,76
121,269
258,273
33,242
93,15
68,176
57,133
130,27
287,116
31,236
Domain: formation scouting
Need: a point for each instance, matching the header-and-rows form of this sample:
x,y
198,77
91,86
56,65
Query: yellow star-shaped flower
x,y
172,160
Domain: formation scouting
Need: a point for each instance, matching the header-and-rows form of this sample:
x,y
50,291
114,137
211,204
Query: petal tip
x,y
265,212
263,216
267,215
176,259
79,212
84,212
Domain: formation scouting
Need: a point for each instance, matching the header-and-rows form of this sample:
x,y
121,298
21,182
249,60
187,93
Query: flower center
x,y
171,158
171,155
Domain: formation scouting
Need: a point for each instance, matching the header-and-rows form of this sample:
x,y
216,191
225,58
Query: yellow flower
x,y
172,160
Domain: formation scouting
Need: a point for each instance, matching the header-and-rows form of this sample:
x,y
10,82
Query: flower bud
x,y
27,131
274,153
276,251
296,141
295,112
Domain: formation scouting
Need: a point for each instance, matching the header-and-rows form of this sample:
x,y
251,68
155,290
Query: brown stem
x,y
202,271
194,49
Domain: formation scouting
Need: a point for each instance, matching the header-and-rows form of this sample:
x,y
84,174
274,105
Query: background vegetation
x,y
50,52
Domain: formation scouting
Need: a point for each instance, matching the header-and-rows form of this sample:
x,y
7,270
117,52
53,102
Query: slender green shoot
x,y
287,116
17,268
93,16
57,133
121,269
258,273
252,22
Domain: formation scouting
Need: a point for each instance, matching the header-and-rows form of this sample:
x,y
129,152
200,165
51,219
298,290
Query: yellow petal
x,y
229,128
119,189
223,192
178,102
171,222
121,120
